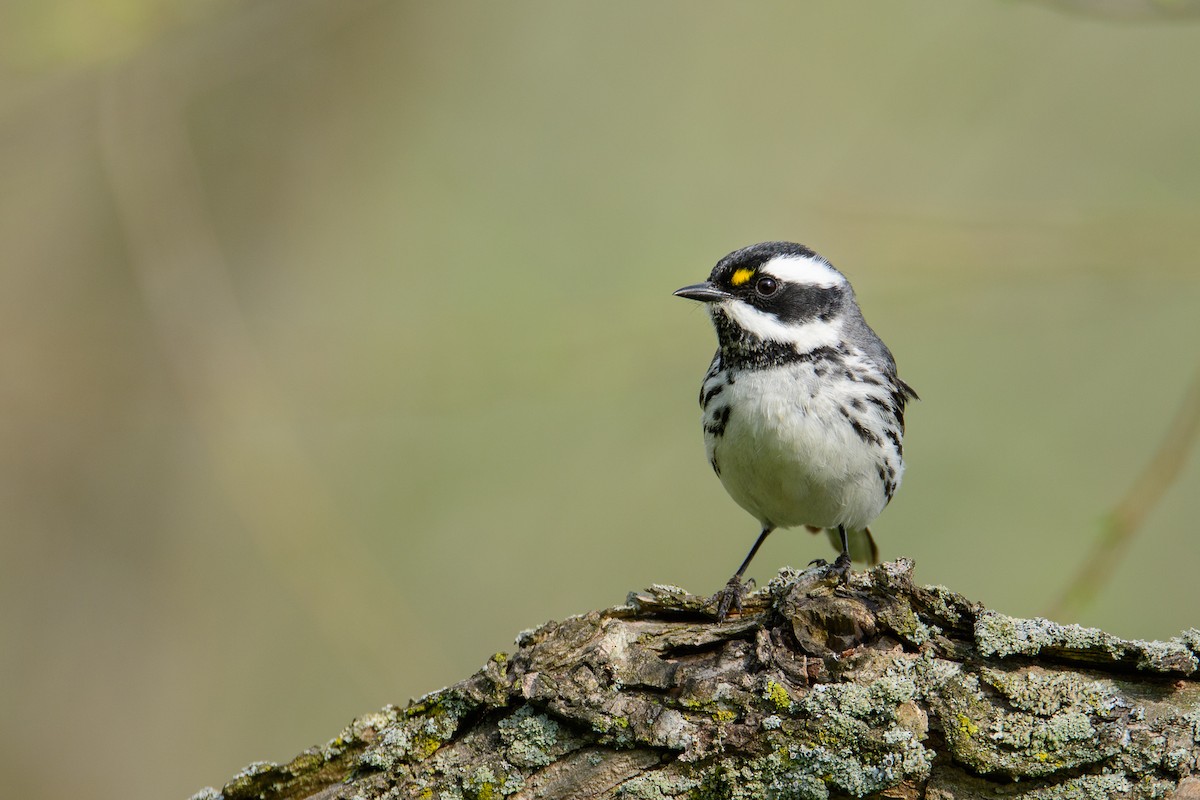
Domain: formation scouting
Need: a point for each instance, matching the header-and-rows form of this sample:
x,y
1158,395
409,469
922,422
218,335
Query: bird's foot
x,y
730,597
840,567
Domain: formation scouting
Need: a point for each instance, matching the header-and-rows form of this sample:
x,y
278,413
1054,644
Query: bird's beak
x,y
704,292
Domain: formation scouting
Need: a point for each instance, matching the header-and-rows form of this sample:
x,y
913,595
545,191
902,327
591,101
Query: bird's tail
x,y
862,544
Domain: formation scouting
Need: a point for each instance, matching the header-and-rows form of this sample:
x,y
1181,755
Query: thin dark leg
x,y
762,537
730,597
841,564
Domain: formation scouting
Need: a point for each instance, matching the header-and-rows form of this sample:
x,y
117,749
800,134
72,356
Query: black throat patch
x,y
741,349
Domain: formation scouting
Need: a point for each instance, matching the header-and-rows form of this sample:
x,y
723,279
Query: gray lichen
x,y
529,738
1000,635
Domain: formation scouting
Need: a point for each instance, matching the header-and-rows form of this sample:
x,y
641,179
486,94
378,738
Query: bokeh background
x,y
337,342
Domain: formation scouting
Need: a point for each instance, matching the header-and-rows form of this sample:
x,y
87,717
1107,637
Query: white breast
x,y
789,456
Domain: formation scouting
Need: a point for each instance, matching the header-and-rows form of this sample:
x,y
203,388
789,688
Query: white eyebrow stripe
x,y
804,269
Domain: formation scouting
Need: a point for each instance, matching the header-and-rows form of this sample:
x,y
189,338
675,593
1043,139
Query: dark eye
x,y
766,286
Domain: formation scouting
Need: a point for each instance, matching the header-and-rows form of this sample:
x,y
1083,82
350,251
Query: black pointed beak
x,y
704,292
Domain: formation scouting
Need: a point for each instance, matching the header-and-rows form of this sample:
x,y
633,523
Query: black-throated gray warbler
x,y
803,410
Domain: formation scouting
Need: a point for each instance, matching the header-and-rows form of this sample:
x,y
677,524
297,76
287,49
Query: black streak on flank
x,y
894,438
719,422
901,394
895,408
887,475
882,404
716,467
707,397
888,479
864,433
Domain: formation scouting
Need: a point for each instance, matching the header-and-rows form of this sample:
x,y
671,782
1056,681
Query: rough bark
x,y
876,688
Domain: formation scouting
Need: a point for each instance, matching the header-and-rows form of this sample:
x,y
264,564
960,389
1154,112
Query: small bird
x,y
803,410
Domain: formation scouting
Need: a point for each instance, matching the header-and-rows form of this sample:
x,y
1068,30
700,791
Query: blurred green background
x,y
338,343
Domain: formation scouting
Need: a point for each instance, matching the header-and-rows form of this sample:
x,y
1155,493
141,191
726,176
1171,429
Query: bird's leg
x,y
840,565
730,597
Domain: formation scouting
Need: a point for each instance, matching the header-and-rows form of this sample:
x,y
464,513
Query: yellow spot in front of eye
x,y
741,276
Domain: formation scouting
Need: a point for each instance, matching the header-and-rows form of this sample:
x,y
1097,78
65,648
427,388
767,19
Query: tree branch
x,y
878,688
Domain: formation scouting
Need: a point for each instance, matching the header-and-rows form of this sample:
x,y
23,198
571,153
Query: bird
x,y
802,406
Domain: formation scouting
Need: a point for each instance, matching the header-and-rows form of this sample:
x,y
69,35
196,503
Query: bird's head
x,y
776,292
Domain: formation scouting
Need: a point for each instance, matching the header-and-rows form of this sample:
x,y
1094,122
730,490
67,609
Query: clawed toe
x,y
841,567
730,597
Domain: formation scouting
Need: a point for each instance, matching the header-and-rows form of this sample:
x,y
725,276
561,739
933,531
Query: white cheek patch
x,y
808,336
804,269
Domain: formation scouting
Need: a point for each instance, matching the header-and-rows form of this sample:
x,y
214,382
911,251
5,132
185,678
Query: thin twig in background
x,y
1135,506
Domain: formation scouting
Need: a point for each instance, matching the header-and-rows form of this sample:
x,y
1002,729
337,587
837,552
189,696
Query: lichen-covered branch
x,y
875,688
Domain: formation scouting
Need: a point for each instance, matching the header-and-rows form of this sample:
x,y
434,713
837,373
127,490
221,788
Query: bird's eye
x,y
766,286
